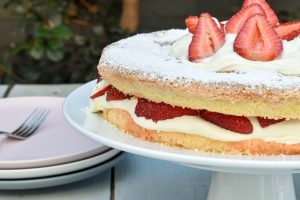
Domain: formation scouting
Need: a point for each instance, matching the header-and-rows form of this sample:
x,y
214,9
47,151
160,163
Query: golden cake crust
x,y
123,120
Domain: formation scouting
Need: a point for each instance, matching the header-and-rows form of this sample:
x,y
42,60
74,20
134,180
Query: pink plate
x,y
55,142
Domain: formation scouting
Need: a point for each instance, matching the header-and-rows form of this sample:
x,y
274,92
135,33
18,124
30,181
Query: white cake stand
x,y
247,184
234,178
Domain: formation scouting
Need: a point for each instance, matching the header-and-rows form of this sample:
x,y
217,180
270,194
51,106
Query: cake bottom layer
x,y
123,121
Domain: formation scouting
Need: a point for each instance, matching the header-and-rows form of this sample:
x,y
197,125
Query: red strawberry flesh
x,y
160,111
99,78
257,40
191,23
113,94
101,92
265,122
288,31
207,39
233,123
237,21
271,16
222,26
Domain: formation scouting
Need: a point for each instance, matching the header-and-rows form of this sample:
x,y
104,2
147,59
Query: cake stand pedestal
x,y
234,186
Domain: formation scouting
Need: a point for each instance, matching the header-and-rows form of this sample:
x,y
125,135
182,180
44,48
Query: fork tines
x,y
31,124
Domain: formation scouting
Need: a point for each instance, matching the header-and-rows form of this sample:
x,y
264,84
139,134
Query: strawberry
x,y
222,26
160,111
230,122
113,94
265,122
271,16
288,31
99,78
237,21
257,40
101,92
207,39
191,23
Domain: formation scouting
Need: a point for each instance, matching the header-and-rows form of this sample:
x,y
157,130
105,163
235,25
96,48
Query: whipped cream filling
x,y
287,132
225,59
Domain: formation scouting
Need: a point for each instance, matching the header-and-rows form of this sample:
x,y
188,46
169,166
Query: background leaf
x,y
54,55
19,48
61,32
41,31
37,52
54,44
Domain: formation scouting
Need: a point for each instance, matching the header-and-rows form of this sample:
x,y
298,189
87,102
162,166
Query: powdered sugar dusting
x,y
149,56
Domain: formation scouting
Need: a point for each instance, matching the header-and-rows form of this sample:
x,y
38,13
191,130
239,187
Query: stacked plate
x,y
57,154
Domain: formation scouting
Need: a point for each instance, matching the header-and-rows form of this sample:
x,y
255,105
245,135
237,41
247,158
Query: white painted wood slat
x,y
94,188
42,90
3,89
147,179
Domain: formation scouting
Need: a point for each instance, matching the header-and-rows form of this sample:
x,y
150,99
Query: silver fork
x,y
30,125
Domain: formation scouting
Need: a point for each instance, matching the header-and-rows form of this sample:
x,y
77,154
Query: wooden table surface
x,y
134,178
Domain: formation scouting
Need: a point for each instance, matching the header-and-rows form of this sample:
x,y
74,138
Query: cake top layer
x,y
148,55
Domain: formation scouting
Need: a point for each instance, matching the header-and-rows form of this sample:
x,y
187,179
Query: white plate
x,y
61,179
57,169
56,142
75,111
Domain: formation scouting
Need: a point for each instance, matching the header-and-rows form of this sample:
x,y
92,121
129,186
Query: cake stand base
x,y
231,186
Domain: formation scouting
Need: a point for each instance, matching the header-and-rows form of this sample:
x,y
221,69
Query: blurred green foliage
x,y
61,40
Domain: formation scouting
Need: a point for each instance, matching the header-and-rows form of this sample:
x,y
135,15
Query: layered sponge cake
x,y
227,87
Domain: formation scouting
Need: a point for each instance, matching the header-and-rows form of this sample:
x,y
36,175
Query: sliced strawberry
x,y
237,21
265,122
257,40
230,122
191,23
160,111
99,78
222,26
101,92
207,39
288,31
113,94
271,16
